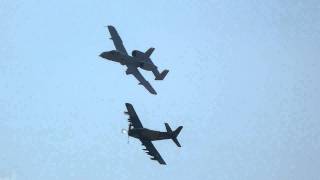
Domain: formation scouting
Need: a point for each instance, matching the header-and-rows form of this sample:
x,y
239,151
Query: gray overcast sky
x,y
243,81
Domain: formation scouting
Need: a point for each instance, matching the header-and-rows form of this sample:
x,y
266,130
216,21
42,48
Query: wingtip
x,y
152,91
128,104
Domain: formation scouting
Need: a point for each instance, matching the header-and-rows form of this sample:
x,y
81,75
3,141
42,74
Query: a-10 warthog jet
x,y
137,60
146,136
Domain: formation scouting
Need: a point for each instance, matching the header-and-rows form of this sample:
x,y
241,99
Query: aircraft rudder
x,y
175,135
177,131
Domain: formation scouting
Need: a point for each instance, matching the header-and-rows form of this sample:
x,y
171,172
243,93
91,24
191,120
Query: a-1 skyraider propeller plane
x,y
137,60
146,136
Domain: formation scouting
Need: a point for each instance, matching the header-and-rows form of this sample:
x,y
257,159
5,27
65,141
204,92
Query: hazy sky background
x,y
243,81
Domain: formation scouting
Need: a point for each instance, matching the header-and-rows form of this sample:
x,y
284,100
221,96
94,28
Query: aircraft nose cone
x,y
102,55
107,55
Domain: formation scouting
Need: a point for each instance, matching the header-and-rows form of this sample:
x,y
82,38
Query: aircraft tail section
x,y
149,52
168,127
175,133
162,75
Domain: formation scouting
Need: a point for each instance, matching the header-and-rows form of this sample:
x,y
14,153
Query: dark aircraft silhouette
x,y
137,60
146,136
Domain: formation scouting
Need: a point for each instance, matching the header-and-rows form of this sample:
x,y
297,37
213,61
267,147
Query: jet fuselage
x,y
128,60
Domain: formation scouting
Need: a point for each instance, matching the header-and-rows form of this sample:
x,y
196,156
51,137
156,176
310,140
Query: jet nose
x,y
103,55
107,55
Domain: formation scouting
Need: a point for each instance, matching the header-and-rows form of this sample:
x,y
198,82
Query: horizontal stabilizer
x,y
168,127
162,75
175,140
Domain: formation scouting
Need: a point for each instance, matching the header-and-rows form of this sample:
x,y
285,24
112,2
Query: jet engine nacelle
x,y
147,66
139,54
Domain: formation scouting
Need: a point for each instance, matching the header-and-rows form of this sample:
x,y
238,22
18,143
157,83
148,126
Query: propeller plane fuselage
x,y
147,134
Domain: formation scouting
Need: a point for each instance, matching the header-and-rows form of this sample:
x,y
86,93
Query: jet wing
x,y
152,151
133,117
142,81
116,40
